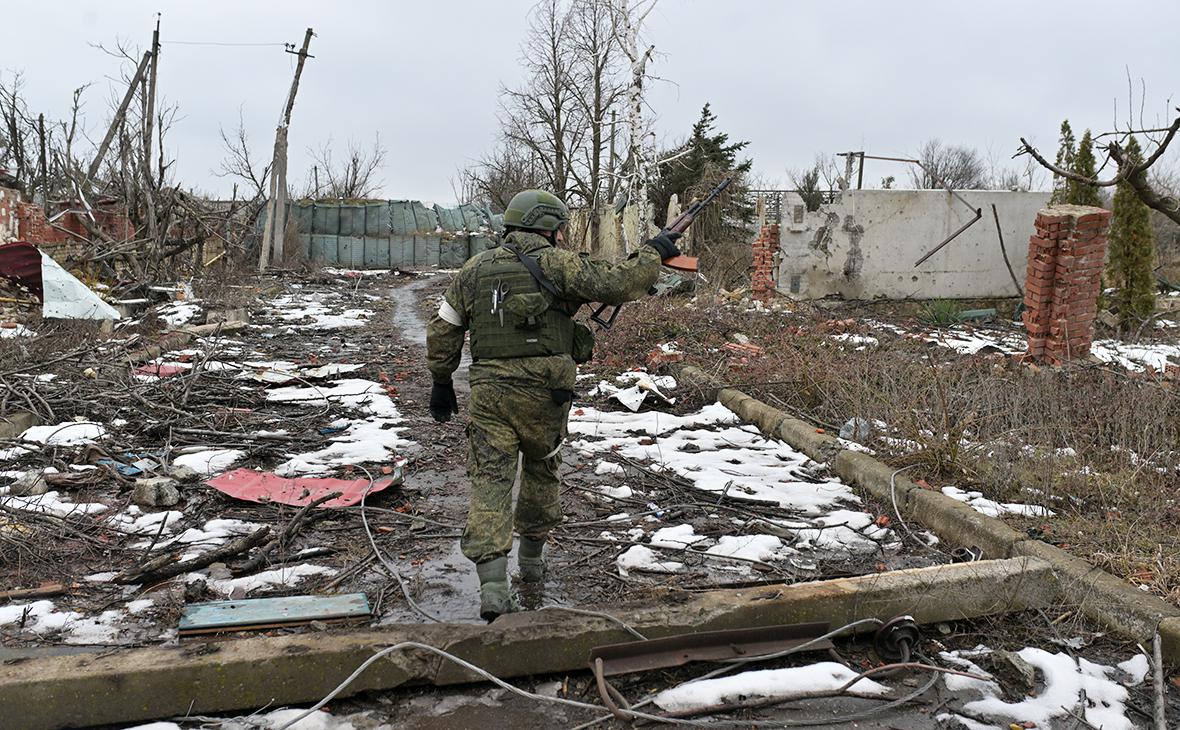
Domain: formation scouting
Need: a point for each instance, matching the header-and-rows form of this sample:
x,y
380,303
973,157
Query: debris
x,y
749,349
255,486
977,315
155,492
65,297
183,473
42,591
859,430
680,649
166,566
160,370
267,613
1015,676
29,484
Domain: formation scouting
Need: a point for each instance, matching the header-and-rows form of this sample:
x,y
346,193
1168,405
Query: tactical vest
x,y
513,316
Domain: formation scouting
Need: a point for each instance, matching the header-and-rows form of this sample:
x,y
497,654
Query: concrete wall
x,y
865,244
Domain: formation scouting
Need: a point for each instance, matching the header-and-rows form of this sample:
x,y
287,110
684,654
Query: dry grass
x,y
1096,445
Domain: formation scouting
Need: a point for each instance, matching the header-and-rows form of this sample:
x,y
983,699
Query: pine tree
x,y
1132,251
706,153
1065,154
1080,193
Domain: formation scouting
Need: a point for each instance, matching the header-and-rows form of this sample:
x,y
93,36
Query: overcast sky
x,y
793,78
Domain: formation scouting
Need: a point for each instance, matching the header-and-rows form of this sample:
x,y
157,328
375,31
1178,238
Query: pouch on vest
x,y
529,308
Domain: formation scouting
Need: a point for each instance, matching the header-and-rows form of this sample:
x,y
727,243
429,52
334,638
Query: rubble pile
x,y
17,304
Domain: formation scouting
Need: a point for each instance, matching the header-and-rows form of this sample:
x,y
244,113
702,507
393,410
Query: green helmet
x,y
536,209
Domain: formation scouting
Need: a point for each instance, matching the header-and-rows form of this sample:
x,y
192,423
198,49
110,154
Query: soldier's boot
x,y
531,559
494,596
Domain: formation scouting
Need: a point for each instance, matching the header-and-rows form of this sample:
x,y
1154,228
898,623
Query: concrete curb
x,y
1102,597
201,677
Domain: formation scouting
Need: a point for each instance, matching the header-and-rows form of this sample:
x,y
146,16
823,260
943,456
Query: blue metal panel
x,y
203,617
377,252
425,219
471,217
401,216
377,219
479,244
324,248
429,249
301,216
352,251
453,252
352,220
448,218
326,220
401,251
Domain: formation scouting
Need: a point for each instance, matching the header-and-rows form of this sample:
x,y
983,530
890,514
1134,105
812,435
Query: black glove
x,y
665,243
442,402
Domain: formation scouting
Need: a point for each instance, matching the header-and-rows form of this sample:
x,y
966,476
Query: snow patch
x,y
641,559
995,509
778,684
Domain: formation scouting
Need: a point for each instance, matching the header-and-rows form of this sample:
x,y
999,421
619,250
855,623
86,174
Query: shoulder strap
x,y
534,268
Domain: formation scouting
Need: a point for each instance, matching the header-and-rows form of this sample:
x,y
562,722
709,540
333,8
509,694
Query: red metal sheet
x,y
265,486
160,370
21,262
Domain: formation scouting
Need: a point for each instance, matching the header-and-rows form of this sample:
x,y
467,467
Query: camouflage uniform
x,y
513,406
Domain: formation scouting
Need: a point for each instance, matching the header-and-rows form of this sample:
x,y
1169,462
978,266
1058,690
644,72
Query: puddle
x,y
447,587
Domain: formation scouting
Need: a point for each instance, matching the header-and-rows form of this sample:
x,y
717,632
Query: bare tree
x,y
641,140
352,178
959,167
540,116
504,172
1137,173
239,165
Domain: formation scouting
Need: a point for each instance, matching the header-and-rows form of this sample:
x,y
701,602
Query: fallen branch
x,y
50,589
163,567
291,530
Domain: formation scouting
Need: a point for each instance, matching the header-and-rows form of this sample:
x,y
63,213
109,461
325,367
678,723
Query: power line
x,y
217,43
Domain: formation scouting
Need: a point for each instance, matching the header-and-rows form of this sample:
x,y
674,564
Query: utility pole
x,y
44,166
149,113
315,172
117,120
276,207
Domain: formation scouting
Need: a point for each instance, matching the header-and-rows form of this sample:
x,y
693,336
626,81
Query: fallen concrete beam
x,y
245,674
1100,596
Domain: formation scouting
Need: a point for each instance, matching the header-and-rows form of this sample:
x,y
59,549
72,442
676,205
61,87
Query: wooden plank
x,y
225,615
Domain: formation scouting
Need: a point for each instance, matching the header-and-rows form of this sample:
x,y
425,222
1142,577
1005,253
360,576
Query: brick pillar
x,y
762,274
1065,258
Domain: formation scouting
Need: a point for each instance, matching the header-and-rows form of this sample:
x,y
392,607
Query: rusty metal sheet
x,y
674,651
21,262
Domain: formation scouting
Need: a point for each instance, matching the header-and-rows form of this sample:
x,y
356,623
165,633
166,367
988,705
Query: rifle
x,y
682,263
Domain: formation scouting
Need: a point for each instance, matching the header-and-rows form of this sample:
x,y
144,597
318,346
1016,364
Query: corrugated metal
x,y
21,262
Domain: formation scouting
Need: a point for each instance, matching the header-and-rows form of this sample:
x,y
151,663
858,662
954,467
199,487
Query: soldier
x,y
518,301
